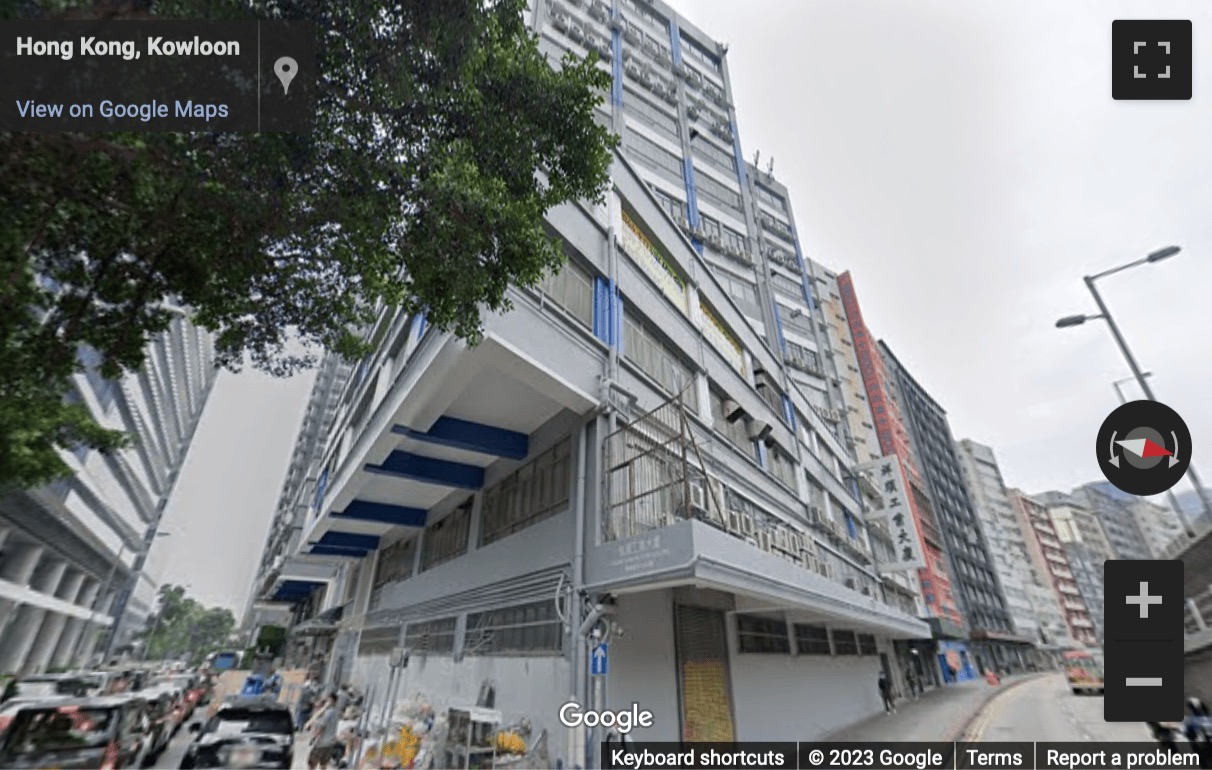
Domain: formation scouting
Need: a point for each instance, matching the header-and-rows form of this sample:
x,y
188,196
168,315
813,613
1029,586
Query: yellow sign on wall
x,y
721,339
637,246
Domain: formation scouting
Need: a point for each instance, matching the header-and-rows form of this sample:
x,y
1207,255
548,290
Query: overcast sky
x,y
965,161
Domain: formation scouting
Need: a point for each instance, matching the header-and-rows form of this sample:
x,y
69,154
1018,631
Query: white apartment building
x,y
70,552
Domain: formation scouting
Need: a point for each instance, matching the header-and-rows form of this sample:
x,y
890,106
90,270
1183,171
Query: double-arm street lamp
x,y
1140,377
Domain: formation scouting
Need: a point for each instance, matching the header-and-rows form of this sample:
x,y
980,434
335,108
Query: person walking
x,y
886,693
323,728
307,702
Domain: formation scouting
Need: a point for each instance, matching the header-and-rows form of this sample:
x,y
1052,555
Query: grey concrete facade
x,y
68,551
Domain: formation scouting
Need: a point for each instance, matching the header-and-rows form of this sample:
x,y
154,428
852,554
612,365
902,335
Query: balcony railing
x,y
655,478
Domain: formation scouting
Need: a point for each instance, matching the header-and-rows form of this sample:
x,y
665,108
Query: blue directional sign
x,y
599,660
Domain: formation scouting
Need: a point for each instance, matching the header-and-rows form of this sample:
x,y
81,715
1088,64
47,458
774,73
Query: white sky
x,y
965,160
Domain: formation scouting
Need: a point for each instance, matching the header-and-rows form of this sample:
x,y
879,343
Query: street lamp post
x,y
1105,314
132,585
1178,510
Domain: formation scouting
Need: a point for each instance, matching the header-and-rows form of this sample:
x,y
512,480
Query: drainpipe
x,y
578,577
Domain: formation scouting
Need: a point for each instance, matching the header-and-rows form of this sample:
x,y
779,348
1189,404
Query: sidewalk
x,y
939,715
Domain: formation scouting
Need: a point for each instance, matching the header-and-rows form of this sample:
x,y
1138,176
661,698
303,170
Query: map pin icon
x,y
286,68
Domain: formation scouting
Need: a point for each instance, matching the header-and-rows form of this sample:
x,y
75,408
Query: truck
x,y
1084,672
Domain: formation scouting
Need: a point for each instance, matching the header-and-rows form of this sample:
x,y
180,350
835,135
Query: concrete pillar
x,y
45,643
50,576
65,652
70,585
20,566
19,639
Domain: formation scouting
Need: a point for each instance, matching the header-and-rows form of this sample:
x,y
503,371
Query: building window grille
x,y
378,641
771,199
734,241
530,494
672,206
643,348
812,640
446,539
866,644
735,432
762,635
395,562
523,629
782,467
571,289
845,643
436,636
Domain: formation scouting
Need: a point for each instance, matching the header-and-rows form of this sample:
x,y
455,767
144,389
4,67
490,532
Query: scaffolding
x,y
655,474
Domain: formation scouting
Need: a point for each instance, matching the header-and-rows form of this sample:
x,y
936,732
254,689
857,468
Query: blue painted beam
x,y
428,470
329,550
364,510
349,540
472,436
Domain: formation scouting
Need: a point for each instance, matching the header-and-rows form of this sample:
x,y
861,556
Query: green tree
x,y
442,136
183,626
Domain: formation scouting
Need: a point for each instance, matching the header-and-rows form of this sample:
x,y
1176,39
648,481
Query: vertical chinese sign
x,y
889,478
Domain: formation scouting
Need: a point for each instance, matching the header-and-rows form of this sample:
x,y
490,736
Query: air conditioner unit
x,y
599,11
647,81
693,111
682,223
560,21
748,525
575,32
633,36
734,522
679,69
732,410
763,539
759,430
671,95
814,514
693,79
715,242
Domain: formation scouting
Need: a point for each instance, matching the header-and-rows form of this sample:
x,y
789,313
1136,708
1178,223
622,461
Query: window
x,y
734,241
812,640
377,641
771,198
571,289
758,634
713,155
447,539
866,644
436,636
802,358
671,205
395,562
642,348
528,495
650,114
786,286
721,194
652,153
711,228
743,292
525,628
782,467
735,432
845,643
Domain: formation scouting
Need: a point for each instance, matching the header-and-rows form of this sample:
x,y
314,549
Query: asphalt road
x,y
1045,710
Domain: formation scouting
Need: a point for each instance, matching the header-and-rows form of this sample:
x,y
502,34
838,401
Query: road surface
x,y
1045,710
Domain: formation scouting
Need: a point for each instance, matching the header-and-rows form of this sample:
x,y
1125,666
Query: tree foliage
x,y
183,626
442,136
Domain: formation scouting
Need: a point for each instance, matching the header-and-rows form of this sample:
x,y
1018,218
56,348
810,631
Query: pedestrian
x,y
885,688
324,734
307,702
913,684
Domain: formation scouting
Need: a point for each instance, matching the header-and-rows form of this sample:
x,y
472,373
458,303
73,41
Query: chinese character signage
x,y
722,340
644,254
889,479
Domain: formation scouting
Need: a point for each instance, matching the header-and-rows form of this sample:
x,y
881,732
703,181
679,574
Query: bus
x,y
1084,672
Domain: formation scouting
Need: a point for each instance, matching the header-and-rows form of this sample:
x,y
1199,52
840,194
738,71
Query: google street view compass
x,y
1144,448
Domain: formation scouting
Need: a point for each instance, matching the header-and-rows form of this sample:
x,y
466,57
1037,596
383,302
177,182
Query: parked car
x,y
109,732
244,732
